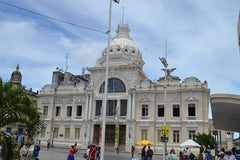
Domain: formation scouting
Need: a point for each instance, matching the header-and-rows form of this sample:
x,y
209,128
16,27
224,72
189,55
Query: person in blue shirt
x,y
36,151
208,154
237,154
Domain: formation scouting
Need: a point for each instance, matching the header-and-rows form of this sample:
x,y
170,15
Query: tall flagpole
x,y
106,86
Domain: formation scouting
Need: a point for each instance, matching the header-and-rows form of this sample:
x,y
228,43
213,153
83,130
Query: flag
x,y
117,1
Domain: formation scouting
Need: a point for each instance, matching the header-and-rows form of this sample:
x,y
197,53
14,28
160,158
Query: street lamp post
x,y
165,64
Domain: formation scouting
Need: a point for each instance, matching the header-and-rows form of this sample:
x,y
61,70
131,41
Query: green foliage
x,y
206,141
17,107
7,147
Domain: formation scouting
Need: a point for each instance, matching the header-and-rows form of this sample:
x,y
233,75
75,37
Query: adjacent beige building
x,y
72,104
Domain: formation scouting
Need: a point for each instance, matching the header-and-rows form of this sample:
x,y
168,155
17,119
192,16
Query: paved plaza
x,y
61,154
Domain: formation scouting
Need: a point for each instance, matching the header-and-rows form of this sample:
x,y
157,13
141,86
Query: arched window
x,y
115,85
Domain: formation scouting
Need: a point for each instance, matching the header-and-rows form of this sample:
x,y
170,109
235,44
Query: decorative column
x,y
86,108
90,107
133,105
129,107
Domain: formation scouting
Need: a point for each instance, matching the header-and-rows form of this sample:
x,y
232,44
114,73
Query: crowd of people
x,y
93,153
146,155
233,154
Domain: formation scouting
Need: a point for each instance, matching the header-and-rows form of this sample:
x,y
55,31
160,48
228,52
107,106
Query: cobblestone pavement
x,y
61,154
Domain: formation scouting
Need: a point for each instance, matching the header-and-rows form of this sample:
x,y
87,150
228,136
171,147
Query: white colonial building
x,y
72,104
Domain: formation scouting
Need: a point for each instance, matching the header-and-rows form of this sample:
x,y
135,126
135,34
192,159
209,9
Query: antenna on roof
x,y
66,62
123,16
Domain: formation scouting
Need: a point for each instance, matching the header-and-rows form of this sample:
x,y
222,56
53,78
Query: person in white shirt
x,y
185,153
229,155
88,151
221,156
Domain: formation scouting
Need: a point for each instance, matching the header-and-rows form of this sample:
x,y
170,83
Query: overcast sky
x,y
201,35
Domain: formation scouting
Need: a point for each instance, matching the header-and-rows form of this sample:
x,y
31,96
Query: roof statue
x,y
169,71
16,76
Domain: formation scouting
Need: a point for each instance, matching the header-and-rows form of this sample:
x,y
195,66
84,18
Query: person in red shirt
x,y
133,150
71,153
93,152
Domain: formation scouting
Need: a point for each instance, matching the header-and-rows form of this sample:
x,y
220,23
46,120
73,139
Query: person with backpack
x,y
172,155
149,153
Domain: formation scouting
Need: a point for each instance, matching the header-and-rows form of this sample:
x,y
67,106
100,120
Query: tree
x,y
206,140
17,107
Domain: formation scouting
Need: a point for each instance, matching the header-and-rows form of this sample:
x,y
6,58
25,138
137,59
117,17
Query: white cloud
x,y
202,38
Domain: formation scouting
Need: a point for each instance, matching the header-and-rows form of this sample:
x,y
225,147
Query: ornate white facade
x,y
72,104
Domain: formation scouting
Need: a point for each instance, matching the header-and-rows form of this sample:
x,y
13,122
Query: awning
x,y
226,111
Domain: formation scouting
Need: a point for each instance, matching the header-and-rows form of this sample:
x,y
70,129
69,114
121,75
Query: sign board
x,y
116,134
164,133
100,134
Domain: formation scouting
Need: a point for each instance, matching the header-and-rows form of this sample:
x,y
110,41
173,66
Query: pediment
x,y
144,98
191,124
46,101
79,101
191,98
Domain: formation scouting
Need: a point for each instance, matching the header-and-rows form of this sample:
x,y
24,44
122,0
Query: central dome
x,y
123,49
122,38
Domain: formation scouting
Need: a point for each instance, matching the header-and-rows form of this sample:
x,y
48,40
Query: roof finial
x,y
17,68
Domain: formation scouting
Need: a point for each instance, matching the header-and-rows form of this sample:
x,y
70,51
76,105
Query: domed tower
x,y
123,50
16,77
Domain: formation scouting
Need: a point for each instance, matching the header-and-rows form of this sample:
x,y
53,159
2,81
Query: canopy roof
x,y
190,143
226,111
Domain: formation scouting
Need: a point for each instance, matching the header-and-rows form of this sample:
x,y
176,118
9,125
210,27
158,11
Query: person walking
x,y
208,154
181,156
192,156
36,152
229,155
117,151
237,155
71,153
98,153
133,150
143,153
221,156
149,153
172,155
48,144
185,153
93,152
87,153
